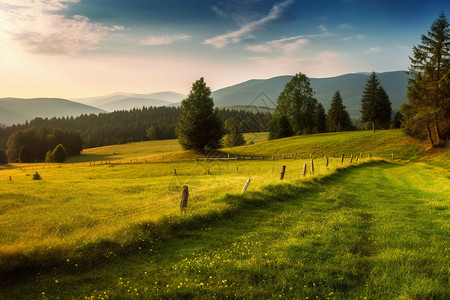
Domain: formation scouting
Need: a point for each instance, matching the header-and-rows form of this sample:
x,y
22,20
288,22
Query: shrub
x,y
60,154
37,176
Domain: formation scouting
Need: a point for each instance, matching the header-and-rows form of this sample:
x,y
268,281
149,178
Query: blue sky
x,y
81,48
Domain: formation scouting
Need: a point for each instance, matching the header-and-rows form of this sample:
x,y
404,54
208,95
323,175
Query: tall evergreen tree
x,y
337,117
320,119
375,104
199,127
384,114
369,102
427,112
297,103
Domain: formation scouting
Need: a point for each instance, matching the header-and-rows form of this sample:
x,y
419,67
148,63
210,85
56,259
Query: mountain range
x,y
255,93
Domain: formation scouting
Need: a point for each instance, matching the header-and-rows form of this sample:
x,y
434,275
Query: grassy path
x,y
379,231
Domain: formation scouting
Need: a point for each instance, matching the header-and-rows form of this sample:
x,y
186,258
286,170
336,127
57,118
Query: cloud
x,y
248,30
289,45
39,27
345,26
374,50
152,40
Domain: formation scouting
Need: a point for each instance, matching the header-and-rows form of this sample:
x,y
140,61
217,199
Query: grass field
x,y
115,230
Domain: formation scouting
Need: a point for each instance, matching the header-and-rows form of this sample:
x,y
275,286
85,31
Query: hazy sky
x,y
81,48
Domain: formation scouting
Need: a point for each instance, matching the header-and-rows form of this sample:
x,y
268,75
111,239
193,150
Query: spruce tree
x,y
384,113
199,127
320,119
427,112
369,101
337,116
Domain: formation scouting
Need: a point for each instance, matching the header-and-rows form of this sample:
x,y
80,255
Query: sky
x,y
82,48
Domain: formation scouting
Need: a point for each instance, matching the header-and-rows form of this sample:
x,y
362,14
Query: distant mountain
x,y
14,110
264,92
126,101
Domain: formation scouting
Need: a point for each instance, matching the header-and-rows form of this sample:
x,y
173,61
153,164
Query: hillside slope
x,y
15,110
264,92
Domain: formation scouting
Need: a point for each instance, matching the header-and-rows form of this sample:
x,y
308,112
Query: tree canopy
x,y
427,113
297,104
199,127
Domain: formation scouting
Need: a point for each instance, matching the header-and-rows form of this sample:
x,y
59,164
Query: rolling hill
x,y
15,110
127,101
264,92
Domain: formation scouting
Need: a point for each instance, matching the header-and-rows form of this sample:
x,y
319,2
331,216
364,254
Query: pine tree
x,y
199,127
384,113
320,119
234,136
427,112
369,101
337,117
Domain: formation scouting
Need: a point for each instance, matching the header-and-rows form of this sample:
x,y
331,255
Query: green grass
x,y
89,227
383,143
328,239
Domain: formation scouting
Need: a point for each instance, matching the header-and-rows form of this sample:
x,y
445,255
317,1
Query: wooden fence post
x,y
326,163
304,169
342,159
237,169
175,171
283,169
10,178
184,197
351,158
246,185
312,166
208,170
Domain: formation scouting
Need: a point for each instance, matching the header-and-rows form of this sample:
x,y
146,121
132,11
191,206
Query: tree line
x,y
148,123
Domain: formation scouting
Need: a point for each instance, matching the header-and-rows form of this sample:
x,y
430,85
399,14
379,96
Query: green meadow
x,y
107,224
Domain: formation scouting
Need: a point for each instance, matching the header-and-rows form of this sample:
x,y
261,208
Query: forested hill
x,y
15,110
127,126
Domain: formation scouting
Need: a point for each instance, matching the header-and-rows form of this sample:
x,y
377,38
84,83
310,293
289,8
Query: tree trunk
x,y
438,134
373,126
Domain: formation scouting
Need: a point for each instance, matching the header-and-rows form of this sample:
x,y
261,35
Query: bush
x,y
60,154
37,176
